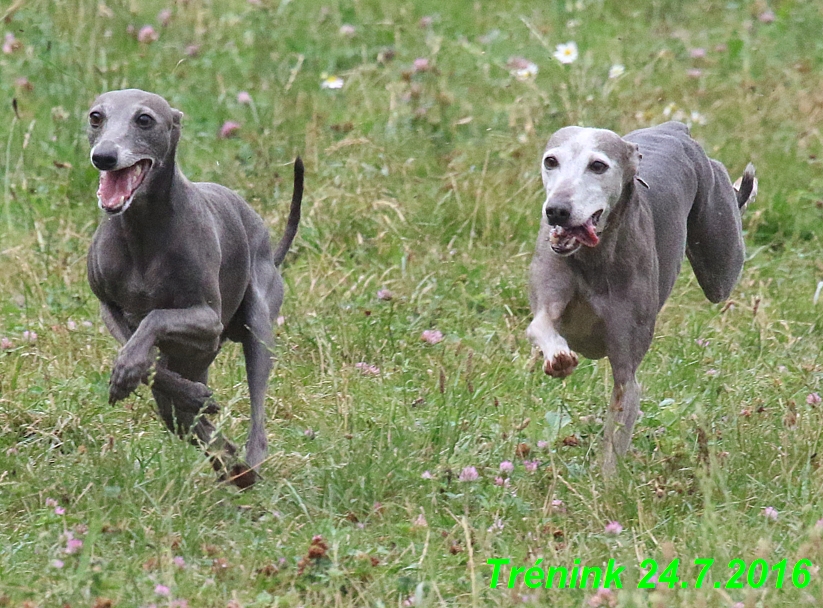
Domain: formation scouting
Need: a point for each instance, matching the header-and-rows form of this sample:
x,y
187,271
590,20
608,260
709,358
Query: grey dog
x,y
611,242
180,267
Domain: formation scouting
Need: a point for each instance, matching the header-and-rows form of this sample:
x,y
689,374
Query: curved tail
x,y
294,215
745,188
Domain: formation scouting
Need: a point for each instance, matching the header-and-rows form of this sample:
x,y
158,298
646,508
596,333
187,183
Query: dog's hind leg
x,y
184,422
165,404
714,241
257,346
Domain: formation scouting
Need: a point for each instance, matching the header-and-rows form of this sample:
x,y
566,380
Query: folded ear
x,y
176,119
633,157
633,163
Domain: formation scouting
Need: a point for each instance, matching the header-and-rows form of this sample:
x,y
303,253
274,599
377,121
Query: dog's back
x,y
678,172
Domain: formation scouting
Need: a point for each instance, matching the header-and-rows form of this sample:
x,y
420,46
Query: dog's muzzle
x,y
117,188
565,240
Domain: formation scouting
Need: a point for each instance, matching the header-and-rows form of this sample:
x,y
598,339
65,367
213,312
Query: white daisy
x,y
332,82
616,71
566,53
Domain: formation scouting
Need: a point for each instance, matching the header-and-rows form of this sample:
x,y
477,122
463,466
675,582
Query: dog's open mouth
x,y
566,241
117,188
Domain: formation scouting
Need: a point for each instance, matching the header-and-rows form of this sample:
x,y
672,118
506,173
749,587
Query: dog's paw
x,y
562,364
197,399
242,476
238,474
126,376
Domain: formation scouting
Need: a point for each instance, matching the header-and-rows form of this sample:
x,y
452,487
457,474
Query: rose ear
x,y
176,119
634,158
634,164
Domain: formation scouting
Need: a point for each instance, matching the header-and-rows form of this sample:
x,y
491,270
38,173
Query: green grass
x,y
426,184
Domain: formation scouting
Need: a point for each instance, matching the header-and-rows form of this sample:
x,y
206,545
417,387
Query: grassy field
x,y
423,180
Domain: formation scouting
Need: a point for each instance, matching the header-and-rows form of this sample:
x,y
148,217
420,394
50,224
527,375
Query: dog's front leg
x,y
620,418
629,330
559,360
189,396
193,330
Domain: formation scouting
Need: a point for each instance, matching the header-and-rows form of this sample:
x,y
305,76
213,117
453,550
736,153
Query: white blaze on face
x,y
576,178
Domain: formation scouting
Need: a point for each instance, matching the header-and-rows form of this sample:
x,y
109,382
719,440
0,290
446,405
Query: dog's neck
x,y
145,226
614,233
628,198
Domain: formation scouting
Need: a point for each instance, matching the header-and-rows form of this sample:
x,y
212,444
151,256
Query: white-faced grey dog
x,y
180,267
612,237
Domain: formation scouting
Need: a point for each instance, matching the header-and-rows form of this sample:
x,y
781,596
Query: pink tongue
x,y
116,187
585,234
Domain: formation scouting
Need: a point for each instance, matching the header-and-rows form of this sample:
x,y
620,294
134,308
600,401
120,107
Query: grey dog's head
x,y
584,173
133,136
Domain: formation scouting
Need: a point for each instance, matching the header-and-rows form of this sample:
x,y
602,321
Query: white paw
x,y
561,364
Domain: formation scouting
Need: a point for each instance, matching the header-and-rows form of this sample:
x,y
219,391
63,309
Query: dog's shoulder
x,y
230,209
672,131
667,145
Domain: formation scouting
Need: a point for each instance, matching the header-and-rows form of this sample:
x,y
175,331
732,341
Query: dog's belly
x,y
583,329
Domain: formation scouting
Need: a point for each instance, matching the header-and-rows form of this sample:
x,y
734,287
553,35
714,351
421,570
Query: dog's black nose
x,y
104,158
558,213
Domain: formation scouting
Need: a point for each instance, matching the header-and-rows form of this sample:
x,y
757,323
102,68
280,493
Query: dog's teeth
x,y
139,171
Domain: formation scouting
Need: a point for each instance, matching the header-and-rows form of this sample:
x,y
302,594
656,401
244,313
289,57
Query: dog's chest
x,y
137,291
583,328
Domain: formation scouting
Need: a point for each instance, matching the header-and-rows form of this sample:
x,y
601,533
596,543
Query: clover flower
x,y
421,64
73,545
614,528
162,590
468,474
367,369
229,129
431,336
767,16
522,69
11,44
147,35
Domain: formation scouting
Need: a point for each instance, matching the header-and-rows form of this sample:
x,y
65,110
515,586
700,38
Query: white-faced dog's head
x,y
133,136
584,173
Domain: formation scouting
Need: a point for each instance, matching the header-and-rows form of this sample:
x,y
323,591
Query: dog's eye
x,y
550,162
598,167
144,121
95,119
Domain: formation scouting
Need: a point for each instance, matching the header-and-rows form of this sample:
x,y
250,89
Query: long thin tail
x,y
746,187
294,215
